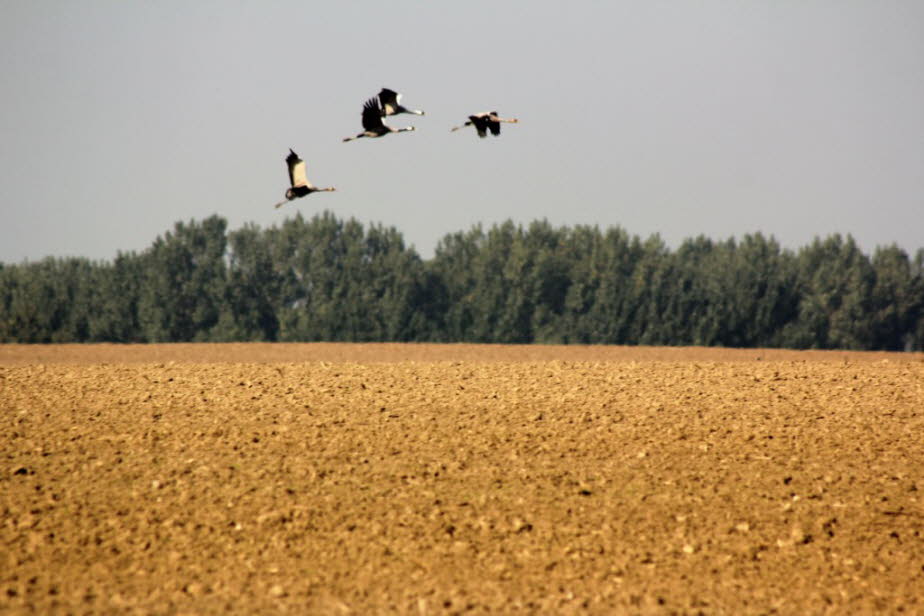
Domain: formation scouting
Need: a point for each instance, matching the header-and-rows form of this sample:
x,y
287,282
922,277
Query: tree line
x,y
327,279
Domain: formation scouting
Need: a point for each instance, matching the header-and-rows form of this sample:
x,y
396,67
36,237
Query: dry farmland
x,y
428,479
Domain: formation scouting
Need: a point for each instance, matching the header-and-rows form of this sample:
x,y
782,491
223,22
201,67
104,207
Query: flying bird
x,y
485,121
373,123
391,104
299,180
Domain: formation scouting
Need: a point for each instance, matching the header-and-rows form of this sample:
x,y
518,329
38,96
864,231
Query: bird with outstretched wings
x,y
299,186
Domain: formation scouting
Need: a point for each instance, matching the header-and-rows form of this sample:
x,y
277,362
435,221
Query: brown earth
x,y
431,479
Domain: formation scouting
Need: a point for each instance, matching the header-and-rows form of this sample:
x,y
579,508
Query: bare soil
x,y
437,479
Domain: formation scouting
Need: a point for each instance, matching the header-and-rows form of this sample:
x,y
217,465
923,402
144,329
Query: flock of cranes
x,y
375,110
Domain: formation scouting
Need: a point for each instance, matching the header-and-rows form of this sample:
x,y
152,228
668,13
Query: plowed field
x,y
427,479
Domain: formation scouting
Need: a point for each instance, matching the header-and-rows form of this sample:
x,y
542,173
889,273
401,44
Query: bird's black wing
x,y
372,115
495,125
389,100
481,124
292,160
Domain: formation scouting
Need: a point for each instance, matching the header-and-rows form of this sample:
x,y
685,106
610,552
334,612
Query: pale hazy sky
x,y
793,118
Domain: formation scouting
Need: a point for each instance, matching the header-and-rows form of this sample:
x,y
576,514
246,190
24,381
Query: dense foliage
x,y
329,279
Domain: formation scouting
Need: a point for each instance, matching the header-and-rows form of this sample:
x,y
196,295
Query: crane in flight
x,y
391,104
373,124
485,121
298,180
